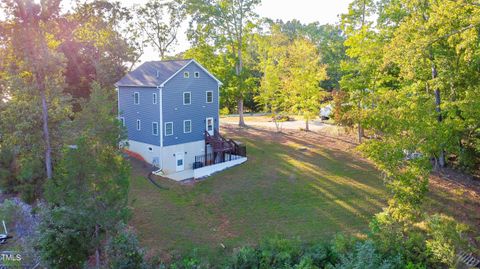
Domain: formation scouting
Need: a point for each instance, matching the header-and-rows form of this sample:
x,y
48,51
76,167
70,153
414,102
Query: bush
x,y
365,255
123,250
245,257
278,253
445,239
224,111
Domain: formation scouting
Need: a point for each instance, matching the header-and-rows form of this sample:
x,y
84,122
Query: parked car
x,y
326,112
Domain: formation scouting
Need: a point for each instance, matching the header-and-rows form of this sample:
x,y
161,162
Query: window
x,y
209,124
196,74
154,128
168,128
187,98
179,162
186,74
154,98
136,98
122,120
209,96
139,125
187,126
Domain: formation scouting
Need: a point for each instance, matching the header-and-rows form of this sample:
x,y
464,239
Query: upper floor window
x,y
139,125
187,98
154,98
136,98
168,128
196,74
154,128
186,74
209,96
187,126
122,121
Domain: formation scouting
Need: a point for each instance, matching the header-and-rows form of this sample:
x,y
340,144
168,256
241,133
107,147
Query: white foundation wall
x,y
190,150
147,151
208,170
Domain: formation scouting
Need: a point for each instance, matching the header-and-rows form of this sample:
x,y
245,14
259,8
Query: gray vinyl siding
x,y
175,111
146,112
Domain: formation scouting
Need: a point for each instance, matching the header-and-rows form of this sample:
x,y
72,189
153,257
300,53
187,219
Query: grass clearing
x,y
281,190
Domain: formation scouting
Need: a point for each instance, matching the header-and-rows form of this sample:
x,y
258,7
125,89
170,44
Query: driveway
x,y
315,125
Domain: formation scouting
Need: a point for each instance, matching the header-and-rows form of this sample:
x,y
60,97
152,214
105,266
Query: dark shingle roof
x,y
146,73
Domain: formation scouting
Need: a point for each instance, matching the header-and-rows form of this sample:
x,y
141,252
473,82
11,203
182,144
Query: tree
x,y
228,23
272,60
92,184
159,22
329,40
29,36
304,74
98,45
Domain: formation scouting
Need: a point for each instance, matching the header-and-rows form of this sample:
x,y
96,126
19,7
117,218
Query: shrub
x,y
278,253
445,239
245,257
365,255
224,111
123,250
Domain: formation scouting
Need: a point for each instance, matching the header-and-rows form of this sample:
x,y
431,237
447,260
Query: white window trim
x,y
139,125
166,128
186,74
122,120
155,100
213,123
184,126
196,74
206,97
184,98
153,123
134,94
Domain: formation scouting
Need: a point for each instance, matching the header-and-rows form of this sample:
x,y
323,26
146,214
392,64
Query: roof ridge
x,y
164,61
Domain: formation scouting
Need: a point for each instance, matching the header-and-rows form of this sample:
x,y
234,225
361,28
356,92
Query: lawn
x,y
295,184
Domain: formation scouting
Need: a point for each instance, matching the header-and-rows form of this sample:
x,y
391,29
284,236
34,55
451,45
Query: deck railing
x,y
214,158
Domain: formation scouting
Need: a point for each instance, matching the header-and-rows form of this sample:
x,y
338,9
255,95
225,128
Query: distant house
x,y
170,110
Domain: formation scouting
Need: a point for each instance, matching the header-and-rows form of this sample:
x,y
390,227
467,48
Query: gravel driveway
x,y
314,125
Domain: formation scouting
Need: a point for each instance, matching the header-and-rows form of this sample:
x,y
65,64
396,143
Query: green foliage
x,y
445,239
89,193
65,237
365,255
123,250
431,242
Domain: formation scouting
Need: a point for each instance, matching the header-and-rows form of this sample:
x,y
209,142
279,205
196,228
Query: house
x,y
170,110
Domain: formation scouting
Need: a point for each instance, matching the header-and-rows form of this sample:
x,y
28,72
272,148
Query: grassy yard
x,y
282,190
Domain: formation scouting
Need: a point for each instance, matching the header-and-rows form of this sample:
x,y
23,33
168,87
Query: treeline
x,y
404,73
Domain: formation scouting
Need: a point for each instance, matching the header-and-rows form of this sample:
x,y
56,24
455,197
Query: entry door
x,y
209,125
179,161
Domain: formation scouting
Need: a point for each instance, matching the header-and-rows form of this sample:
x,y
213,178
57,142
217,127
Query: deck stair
x,y
220,143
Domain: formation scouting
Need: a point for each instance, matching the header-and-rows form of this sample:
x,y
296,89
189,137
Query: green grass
x,y
281,190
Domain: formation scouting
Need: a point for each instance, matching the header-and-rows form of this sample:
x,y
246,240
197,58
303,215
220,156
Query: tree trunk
x,y
306,125
238,70
360,128
40,80
360,133
438,102
241,121
97,251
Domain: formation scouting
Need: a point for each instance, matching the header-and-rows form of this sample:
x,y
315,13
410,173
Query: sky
x,y
306,11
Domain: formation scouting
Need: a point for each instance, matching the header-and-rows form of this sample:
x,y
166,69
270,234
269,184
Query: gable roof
x,y
157,73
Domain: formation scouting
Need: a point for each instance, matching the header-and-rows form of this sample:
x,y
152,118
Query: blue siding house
x,y
170,110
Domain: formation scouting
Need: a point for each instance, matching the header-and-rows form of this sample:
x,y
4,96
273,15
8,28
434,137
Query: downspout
x,y
160,101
